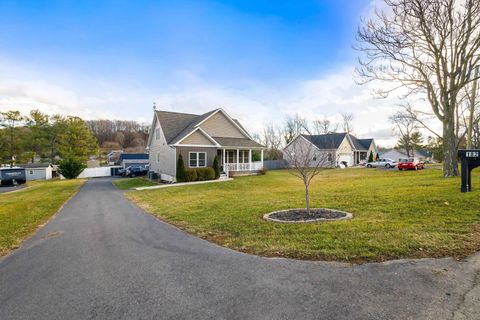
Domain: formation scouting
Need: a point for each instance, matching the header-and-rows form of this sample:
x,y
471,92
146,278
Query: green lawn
x,y
22,212
396,214
130,183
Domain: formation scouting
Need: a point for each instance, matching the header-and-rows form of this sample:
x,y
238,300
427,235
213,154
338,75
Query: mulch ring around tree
x,y
301,215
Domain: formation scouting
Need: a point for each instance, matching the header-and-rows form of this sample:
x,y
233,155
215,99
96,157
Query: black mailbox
x,y
470,159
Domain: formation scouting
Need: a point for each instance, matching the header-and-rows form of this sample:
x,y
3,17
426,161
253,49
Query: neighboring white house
x,y
333,148
38,171
396,154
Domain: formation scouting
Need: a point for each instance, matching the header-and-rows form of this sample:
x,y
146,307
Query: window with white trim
x,y
157,134
158,156
197,159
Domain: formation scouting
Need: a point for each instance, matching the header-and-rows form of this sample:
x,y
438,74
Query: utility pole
x,y
472,110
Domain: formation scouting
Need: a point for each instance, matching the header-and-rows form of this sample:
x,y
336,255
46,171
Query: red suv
x,y
410,164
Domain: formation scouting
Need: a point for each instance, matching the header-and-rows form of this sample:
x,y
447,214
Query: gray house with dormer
x,y
199,139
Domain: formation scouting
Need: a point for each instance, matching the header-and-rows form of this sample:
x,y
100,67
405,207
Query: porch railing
x,y
252,166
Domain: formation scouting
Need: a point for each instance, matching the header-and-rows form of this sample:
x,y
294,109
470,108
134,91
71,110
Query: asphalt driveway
x,y
102,257
5,189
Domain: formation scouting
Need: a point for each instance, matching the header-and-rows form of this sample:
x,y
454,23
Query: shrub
x,y
191,175
370,157
263,171
204,174
216,167
180,174
71,167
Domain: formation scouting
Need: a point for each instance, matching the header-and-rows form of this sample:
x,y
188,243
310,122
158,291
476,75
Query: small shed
x,y
38,171
133,159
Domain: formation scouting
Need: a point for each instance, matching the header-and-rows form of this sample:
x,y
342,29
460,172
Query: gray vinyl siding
x,y
166,165
211,153
320,154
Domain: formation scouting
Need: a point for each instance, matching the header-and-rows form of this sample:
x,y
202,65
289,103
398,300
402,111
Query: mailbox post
x,y
470,159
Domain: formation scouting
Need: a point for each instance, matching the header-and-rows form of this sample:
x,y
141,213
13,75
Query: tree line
x,y
130,136
38,136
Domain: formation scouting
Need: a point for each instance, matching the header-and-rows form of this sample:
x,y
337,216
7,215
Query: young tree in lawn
x,y
428,49
306,162
10,120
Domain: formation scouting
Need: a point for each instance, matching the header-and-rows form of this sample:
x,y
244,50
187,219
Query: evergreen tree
x,y
71,167
377,157
370,157
216,167
76,139
181,174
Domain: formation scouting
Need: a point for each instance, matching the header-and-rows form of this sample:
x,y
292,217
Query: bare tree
x,y
293,126
428,48
347,122
324,126
272,139
306,162
405,126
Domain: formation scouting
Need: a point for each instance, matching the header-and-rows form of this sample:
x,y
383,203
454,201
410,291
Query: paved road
x,y
5,189
103,258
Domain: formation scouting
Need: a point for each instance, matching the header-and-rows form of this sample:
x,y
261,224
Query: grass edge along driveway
x,y
24,211
397,214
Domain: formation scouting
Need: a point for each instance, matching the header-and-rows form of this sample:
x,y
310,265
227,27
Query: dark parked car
x,y
134,171
9,176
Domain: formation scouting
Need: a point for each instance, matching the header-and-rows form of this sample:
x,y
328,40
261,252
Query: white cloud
x,y
254,104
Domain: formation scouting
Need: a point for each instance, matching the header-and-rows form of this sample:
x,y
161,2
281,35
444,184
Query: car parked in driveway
x,y
386,163
410,164
134,171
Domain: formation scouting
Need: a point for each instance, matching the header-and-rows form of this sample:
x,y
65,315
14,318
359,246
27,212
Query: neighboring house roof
x,y
326,141
334,140
35,165
237,142
133,156
366,143
417,153
177,126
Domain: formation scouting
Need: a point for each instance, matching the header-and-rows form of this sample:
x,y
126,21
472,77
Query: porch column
x,y
250,159
223,160
238,160
261,157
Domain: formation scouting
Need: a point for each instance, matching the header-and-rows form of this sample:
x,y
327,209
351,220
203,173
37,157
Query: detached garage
x,y
38,171
133,159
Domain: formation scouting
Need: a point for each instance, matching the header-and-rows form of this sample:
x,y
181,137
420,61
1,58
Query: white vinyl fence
x,y
96,172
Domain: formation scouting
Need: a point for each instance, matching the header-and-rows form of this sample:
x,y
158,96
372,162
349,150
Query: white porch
x,y
239,160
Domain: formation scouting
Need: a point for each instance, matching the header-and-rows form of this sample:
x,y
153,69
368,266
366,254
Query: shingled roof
x,y
177,126
326,141
334,140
